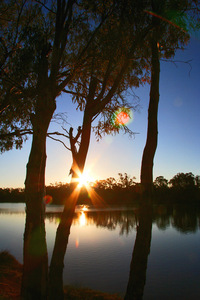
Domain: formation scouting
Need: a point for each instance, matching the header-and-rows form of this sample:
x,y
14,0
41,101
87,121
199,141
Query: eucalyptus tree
x,y
170,19
115,64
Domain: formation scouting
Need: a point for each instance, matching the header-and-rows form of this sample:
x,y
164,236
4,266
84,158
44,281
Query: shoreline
x,y
10,283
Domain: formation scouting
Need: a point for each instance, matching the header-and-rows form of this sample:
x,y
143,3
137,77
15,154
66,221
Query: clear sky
x,y
178,139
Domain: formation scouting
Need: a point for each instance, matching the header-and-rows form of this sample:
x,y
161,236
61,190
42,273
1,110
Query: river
x,y
101,243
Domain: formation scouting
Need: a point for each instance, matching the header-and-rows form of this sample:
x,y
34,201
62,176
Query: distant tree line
x,y
182,188
184,218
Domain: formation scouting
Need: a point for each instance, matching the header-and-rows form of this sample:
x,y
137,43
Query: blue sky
x,y
178,139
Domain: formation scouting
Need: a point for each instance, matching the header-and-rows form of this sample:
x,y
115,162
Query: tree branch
x,y
188,62
16,133
38,1
57,140
58,133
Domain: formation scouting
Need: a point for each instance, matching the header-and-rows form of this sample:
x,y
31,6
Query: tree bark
x,y
35,267
152,131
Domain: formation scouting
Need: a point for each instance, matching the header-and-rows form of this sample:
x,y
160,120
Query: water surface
x,y
101,245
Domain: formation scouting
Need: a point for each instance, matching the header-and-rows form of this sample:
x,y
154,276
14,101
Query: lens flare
x,y
121,117
47,199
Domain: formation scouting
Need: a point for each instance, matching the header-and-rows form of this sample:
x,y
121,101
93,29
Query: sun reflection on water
x,y
82,219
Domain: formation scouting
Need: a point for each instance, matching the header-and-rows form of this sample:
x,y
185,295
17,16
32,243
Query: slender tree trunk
x,y
35,267
63,230
138,267
152,131
137,276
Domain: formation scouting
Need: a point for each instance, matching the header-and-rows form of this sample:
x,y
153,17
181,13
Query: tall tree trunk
x,y
138,267
137,276
152,131
63,230
35,267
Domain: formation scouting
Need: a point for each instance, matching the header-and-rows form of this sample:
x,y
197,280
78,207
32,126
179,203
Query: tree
x,y
182,181
169,34
125,181
197,181
161,182
113,68
165,39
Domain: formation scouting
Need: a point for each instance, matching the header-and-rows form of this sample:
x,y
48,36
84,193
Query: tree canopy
x,y
101,42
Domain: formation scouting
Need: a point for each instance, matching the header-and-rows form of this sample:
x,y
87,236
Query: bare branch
x,y
57,140
188,62
38,1
69,92
58,133
65,130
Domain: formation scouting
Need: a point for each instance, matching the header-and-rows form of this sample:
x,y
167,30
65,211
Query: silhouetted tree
x,y
167,39
114,67
170,34
183,181
197,181
161,182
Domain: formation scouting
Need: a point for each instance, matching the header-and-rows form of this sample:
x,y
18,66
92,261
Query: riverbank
x,y
10,282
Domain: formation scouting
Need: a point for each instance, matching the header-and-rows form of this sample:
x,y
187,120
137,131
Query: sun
x,y
84,179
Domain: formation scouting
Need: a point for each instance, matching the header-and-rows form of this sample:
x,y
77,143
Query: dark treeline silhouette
x,y
184,218
182,188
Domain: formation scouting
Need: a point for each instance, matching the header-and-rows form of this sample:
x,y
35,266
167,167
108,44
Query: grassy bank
x,y
10,277
10,281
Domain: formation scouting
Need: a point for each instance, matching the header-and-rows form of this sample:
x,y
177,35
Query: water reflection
x,y
125,222
82,219
183,219
141,250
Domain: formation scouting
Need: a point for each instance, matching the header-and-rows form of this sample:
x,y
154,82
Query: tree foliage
x,y
28,44
43,45
160,182
182,181
123,182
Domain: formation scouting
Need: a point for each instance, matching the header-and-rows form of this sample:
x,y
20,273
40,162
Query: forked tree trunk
x,y
63,230
35,260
